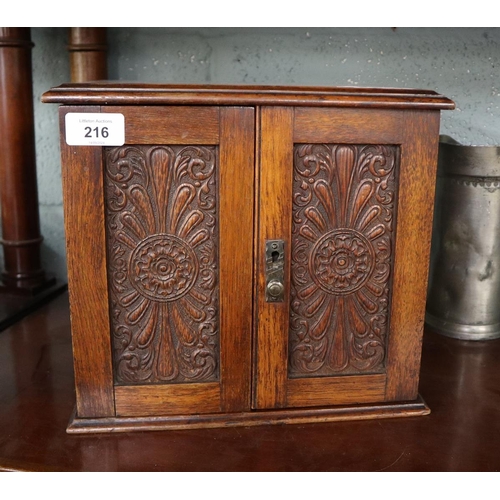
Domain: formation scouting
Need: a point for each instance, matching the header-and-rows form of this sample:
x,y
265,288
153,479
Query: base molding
x,y
246,419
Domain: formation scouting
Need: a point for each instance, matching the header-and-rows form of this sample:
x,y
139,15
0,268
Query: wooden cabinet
x,y
249,255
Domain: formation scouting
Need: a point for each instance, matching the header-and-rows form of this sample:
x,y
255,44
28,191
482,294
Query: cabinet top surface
x,y
124,93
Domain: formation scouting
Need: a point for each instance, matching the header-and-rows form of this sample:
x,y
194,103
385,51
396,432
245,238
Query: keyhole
x,y
274,256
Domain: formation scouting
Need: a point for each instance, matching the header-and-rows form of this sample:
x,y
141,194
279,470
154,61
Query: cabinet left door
x,y
159,245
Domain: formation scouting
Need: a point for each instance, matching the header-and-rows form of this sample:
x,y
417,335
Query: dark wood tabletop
x,y
460,381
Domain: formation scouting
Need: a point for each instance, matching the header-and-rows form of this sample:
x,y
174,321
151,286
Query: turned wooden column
x,y
88,54
18,183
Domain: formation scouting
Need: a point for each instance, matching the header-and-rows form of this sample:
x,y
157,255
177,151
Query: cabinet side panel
x,y
88,292
237,136
342,258
162,239
415,210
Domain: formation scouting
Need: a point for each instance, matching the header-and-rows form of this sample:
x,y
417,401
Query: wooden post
x,y
18,182
88,54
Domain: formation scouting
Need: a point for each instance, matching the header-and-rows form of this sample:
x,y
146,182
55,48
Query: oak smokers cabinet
x,y
249,255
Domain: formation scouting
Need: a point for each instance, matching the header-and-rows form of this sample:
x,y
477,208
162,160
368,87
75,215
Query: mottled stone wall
x,y
461,63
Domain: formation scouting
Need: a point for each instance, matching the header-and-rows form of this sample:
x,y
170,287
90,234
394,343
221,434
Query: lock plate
x,y
275,270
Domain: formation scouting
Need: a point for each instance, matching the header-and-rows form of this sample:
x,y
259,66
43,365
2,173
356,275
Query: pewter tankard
x,y
464,282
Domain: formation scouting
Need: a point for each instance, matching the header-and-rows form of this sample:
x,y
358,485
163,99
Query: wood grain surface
x,y
458,381
118,93
193,197
82,175
88,50
236,255
413,239
167,399
275,211
21,237
169,124
327,391
342,125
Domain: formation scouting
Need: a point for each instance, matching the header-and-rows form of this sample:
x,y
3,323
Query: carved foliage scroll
x,y
342,247
161,234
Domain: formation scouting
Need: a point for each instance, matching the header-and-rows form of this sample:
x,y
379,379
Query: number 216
x,y
103,131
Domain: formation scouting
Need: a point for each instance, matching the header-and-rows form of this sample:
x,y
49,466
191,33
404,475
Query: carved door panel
x,y
178,208
329,188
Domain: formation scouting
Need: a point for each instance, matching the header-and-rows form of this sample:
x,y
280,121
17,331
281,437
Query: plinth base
x,y
249,419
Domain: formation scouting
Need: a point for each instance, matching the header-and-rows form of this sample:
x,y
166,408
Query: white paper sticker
x,y
95,129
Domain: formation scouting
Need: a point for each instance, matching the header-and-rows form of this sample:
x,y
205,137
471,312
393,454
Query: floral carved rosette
x,y
342,246
161,228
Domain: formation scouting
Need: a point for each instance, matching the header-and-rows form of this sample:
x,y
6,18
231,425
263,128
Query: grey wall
x,y
461,63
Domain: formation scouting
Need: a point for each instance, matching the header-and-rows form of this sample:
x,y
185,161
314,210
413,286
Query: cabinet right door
x,y
349,192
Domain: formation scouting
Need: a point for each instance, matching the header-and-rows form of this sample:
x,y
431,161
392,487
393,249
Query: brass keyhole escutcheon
x,y
275,266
